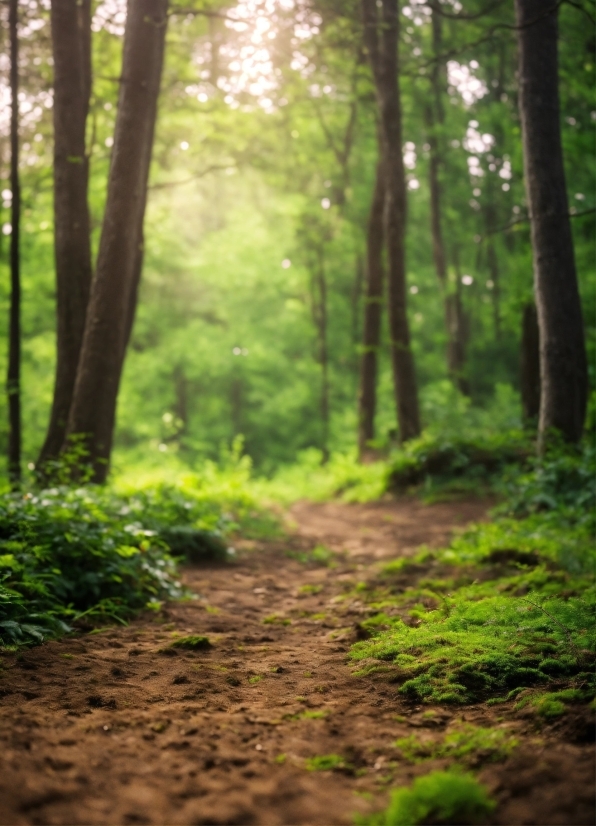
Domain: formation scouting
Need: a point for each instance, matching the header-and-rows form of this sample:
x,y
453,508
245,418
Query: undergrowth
x,y
81,556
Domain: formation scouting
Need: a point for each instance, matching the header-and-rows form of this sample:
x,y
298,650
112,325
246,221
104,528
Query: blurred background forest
x,y
263,171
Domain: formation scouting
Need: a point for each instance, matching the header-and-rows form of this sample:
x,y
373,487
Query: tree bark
x,y
93,410
435,119
71,46
13,378
530,365
320,318
492,258
373,304
381,30
563,364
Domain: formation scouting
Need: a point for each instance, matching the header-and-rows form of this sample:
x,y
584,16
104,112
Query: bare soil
x,y
116,727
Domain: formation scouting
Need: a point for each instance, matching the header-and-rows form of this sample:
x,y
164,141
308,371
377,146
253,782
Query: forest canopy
x,y
251,308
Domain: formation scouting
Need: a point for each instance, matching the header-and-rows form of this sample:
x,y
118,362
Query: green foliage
x,y
466,743
441,797
438,459
69,555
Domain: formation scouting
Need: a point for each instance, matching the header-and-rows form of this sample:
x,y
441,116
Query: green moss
x,y
275,619
554,703
310,589
193,642
472,650
438,797
327,762
467,743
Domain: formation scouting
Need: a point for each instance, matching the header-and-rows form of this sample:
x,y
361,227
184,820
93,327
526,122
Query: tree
x,y
13,379
530,365
381,32
563,365
435,120
113,292
373,305
71,47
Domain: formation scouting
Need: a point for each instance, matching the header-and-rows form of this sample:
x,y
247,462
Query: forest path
x,y
116,727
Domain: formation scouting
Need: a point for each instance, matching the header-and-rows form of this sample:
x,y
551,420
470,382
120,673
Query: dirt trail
x,y
114,728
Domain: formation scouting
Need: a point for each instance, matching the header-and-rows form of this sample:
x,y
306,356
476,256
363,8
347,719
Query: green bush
x,y
437,459
67,554
441,797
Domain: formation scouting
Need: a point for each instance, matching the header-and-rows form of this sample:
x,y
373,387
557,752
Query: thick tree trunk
x,y
108,323
563,366
530,364
373,304
13,378
381,28
71,42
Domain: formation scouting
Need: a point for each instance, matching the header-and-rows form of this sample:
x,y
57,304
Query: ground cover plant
x,y
508,608
438,797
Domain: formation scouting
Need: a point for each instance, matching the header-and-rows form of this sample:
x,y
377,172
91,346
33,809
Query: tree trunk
x,y
492,259
319,311
93,410
13,378
530,365
356,297
373,304
563,365
458,324
71,42
382,34
435,119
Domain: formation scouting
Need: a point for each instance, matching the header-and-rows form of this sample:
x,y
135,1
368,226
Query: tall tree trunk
x,y
93,410
71,42
563,364
13,378
435,118
373,305
492,258
381,30
356,296
530,364
320,317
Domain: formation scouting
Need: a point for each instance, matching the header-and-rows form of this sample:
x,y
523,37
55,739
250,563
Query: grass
x,y
440,797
